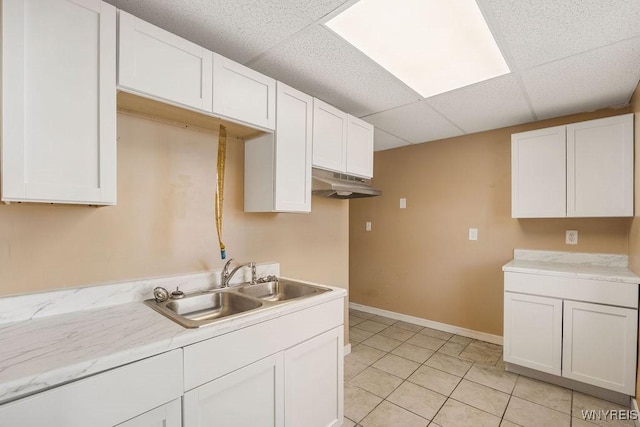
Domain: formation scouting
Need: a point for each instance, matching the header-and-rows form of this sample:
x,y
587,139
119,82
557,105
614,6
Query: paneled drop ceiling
x,y
565,56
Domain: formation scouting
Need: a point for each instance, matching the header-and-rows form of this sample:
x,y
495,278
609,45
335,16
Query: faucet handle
x,y
254,275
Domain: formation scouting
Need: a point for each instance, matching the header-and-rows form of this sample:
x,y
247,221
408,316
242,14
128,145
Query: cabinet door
x,y
157,64
600,345
329,137
538,174
600,167
293,150
359,147
533,332
59,101
169,415
243,94
314,381
249,397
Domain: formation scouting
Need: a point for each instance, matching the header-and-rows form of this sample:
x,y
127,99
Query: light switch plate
x,y
403,203
473,234
367,226
571,237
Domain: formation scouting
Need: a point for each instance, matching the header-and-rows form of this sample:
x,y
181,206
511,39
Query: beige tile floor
x,y
404,375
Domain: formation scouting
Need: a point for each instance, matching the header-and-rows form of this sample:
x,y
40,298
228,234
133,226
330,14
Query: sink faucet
x,y
226,276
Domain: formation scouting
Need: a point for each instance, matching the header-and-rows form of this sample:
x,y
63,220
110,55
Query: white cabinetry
x,y
158,64
582,329
240,93
538,173
329,137
533,332
249,397
600,167
59,101
286,371
278,166
579,170
359,147
313,374
599,345
168,415
106,399
341,142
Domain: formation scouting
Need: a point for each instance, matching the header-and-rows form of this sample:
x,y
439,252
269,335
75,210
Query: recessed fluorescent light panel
x,y
434,46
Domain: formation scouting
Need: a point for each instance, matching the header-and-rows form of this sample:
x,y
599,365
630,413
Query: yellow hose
x,y
222,151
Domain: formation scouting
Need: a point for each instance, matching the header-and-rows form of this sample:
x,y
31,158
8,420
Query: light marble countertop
x,y
613,268
42,353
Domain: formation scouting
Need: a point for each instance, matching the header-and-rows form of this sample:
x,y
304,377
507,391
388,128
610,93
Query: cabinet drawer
x,y
102,400
573,288
211,359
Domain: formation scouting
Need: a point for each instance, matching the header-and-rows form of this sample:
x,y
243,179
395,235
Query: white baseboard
x,y
347,349
634,406
483,336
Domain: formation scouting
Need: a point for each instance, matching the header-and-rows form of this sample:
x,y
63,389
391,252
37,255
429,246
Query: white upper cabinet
x,y
600,167
329,137
158,64
59,127
278,166
240,93
538,173
579,170
341,142
359,147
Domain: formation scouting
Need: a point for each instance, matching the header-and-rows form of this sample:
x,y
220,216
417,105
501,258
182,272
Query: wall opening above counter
x,y
157,110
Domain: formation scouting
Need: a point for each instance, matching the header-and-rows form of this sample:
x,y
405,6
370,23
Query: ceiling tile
x,y
239,30
602,78
541,31
416,123
384,141
487,105
322,64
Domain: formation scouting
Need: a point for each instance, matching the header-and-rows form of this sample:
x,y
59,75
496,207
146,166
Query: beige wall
x,y
419,261
164,222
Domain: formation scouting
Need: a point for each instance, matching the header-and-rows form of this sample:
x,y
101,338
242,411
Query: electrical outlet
x,y
367,226
571,237
403,203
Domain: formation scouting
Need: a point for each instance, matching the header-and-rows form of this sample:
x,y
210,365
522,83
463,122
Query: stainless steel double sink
x,y
203,308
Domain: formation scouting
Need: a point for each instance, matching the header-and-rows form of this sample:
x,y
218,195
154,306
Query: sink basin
x,y
204,308
281,290
197,310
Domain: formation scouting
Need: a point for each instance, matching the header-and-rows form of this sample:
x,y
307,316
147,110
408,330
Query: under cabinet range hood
x,y
340,186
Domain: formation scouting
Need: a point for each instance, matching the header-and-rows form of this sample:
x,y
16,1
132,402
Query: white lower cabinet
x,y
249,397
570,330
313,382
168,415
286,371
283,372
599,345
533,332
107,399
